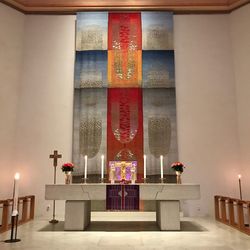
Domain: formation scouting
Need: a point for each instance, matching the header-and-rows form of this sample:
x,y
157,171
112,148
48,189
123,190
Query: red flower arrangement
x,y
178,166
68,167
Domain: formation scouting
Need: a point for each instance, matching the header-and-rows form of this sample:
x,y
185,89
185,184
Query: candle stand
x,y
13,232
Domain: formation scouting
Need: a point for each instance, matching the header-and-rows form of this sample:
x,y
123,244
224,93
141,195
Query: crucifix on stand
x,y
55,157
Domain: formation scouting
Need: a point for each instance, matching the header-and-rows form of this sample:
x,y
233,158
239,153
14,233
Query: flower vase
x,y
68,177
178,177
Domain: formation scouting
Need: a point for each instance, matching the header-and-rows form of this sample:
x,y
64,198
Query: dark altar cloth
x,y
122,197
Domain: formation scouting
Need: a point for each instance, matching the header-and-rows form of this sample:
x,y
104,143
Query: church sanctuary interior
x,y
125,124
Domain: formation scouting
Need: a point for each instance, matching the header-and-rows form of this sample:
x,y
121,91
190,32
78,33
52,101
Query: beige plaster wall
x,y
11,49
240,39
206,107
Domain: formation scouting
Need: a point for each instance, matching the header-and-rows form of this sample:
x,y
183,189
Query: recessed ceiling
x,y
72,6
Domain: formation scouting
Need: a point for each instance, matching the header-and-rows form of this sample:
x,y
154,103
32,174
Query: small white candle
x,y
85,166
161,158
102,167
15,195
239,176
145,166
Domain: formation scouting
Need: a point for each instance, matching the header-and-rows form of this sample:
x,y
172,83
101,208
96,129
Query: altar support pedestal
x,y
77,215
168,215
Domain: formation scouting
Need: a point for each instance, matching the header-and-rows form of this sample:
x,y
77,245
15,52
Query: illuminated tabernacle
x,y
122,170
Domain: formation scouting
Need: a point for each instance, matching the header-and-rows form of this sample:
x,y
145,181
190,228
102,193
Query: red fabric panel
x,y
124,30
125,126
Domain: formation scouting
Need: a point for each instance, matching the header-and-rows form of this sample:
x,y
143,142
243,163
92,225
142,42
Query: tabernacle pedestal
x,y
79,196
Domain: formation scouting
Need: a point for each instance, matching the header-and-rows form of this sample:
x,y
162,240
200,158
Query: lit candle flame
x,y
17,176
239,176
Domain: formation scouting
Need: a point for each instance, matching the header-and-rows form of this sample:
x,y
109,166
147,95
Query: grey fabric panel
x,y
91,31
159,135
90,125
159,107
157,30
90,136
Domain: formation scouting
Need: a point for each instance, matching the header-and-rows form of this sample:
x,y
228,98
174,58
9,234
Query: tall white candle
x,y
85,166
161,158
145,166
102,167
15,194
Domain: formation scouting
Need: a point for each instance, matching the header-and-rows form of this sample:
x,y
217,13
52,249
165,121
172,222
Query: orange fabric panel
x,y
124,69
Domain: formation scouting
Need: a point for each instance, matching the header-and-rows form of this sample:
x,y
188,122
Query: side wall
x,y
206,107
240,37
46,102
11,49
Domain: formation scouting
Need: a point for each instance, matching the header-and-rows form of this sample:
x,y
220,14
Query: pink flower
x,y
66,167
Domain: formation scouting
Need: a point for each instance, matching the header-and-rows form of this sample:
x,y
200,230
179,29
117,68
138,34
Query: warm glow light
x,y
239,176
102,156
17,176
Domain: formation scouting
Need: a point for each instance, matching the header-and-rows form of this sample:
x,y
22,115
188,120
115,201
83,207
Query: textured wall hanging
x,y
124,103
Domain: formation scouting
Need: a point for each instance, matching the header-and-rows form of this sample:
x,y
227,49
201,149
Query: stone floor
x,y
125,231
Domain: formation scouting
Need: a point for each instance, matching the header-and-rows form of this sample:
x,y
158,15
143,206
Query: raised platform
x,y
78,197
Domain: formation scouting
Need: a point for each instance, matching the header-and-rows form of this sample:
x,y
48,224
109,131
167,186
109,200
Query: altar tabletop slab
x,y
97,191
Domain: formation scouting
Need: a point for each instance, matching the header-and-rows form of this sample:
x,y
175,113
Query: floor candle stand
x,y
13,233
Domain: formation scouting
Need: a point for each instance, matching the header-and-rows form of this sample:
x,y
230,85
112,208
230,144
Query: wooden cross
x,y
55,156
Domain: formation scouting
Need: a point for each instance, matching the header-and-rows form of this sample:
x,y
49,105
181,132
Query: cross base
x,y
53,221
12,241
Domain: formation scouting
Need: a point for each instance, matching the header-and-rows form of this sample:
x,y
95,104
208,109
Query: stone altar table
x,y
79,196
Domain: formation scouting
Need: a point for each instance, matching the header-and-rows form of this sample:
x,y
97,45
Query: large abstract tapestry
x,y
124,104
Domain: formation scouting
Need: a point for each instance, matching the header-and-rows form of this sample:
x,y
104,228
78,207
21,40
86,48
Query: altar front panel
x,y
114,198
122,197
131,197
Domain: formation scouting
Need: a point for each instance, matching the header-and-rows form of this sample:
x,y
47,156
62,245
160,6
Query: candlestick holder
x,y
162,180
84,180
145,180
102,180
